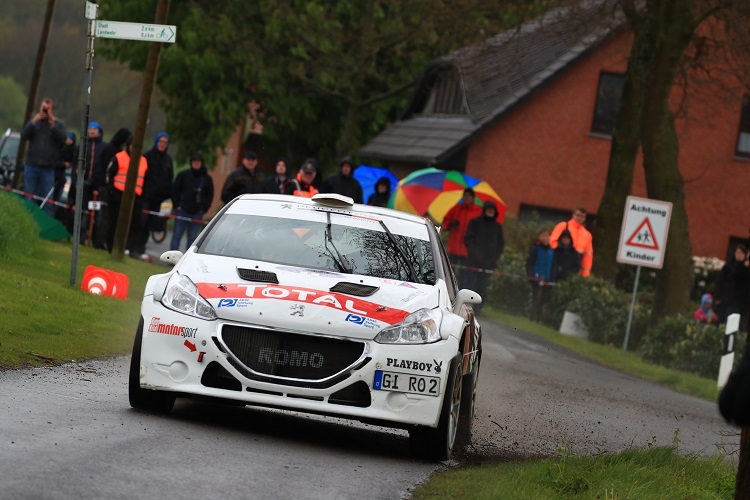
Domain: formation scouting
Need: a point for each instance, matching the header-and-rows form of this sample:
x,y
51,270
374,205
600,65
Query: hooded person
x,y
157,186
566,261
115,145
485,243
455,223
382,193
705,312
192,194
343,182
94,174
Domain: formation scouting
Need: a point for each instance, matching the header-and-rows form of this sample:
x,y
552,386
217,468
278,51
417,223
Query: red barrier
x,y
100,281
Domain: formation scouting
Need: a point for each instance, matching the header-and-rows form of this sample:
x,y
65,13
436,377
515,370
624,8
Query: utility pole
x,y
149,81
91,13
34,89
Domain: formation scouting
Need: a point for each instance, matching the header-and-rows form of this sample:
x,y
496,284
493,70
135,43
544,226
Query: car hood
x,y
302,299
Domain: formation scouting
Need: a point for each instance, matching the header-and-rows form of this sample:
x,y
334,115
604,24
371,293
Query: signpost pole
x,y
632,306
91,11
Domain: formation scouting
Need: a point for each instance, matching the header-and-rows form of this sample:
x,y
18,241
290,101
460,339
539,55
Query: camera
x,y
44,110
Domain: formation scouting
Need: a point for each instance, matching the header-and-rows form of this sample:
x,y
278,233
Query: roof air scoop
x,y
333,200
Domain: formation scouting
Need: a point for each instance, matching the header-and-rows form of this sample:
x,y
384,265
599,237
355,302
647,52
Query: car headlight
x,y
182,296
420,327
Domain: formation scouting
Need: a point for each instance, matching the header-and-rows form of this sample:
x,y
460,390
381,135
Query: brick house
x,y
531,111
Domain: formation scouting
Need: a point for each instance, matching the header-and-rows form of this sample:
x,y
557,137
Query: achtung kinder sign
x,y
643,237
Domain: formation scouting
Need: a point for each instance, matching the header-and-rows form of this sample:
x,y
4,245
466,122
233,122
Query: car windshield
x,y
304,243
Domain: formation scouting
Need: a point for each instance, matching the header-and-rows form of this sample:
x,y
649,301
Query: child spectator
x,y
567,260
539,271
704,313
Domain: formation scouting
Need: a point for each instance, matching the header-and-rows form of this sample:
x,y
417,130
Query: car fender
x,y
452,326
157,283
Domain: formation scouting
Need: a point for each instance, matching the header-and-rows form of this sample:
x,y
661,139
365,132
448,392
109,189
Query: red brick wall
x,y
543,154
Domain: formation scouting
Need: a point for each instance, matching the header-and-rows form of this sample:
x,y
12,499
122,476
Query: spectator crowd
x,y
475,238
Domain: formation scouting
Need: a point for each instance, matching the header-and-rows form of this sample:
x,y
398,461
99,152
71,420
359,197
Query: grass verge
x,y
656,472
628,362
46,321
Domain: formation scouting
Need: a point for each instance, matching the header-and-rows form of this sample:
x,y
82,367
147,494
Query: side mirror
x,y
171,257
466,296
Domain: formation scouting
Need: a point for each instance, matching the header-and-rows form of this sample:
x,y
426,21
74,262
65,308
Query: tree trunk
x,y
622,157
742,484
674,26
128,195
36,76
347,137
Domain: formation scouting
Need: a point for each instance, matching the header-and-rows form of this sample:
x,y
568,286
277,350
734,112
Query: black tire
x,y
145,399
158,236
466,417
437,444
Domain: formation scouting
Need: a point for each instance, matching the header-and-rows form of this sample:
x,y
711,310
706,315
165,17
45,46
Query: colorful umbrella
x,y
368,176
433,191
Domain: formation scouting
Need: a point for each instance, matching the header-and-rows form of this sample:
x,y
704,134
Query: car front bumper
x,y
188,355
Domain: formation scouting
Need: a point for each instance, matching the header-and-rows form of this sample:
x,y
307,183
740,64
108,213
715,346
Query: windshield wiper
x,y
341,261
400,252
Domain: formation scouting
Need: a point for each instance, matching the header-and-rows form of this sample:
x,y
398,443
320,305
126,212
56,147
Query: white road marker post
x,y
727,355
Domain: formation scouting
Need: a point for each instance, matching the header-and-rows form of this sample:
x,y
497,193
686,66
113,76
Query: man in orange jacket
x,y
582,240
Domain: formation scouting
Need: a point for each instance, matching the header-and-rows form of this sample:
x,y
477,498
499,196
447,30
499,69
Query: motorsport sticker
x,y
412,295
362,321
157,326
437,367
234,303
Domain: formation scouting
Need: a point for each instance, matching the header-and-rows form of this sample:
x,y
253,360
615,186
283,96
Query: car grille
x,y
289,355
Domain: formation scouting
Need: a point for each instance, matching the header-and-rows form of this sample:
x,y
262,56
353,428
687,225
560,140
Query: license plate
x,y
406,382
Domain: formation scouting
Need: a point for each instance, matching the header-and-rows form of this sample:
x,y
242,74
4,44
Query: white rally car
x,y
315,305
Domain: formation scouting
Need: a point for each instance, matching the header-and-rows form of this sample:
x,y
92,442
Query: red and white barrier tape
x,y
495,272
48,201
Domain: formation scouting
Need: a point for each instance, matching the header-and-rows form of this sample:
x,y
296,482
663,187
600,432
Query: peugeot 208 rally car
x,y
315,305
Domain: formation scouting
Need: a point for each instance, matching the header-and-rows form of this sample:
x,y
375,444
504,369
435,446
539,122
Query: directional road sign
x,y
136,31
643,237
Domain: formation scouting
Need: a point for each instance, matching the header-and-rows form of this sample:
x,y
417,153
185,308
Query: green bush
x,y
602,308
508,289
18,230
684,344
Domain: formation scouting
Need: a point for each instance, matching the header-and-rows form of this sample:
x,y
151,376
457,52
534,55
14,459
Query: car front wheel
x,y
438,443
468,400
140,398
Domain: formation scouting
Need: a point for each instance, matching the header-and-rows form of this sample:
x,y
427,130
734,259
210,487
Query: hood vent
x,y
259,276
354,289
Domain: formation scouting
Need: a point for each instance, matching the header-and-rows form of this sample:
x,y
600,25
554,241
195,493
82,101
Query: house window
x,y
446,95
608,98
743,138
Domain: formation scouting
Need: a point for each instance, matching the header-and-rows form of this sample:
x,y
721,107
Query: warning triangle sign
x,y
643,237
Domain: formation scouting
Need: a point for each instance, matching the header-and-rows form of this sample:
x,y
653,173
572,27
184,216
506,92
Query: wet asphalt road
x,y
68,431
